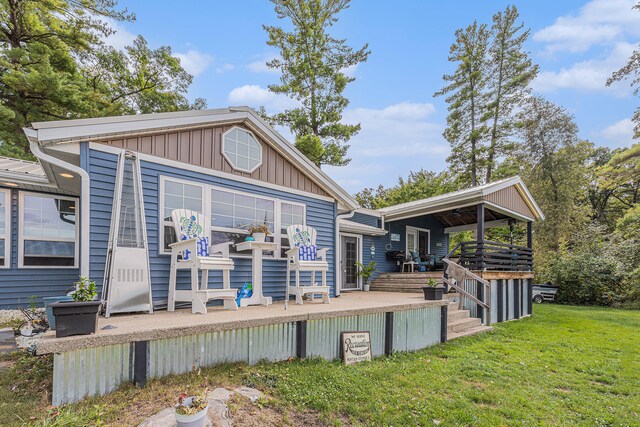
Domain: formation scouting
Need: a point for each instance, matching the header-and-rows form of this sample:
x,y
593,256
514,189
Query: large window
x,y
290,214
5,228
231,212
48,231
177,195
241,149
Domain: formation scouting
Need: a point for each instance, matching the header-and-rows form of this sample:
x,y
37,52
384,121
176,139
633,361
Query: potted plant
x,y
366,272
80,316
191,411
259,232
432,291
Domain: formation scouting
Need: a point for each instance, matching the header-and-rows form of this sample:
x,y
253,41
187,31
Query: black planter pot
x,y
76,318
432,293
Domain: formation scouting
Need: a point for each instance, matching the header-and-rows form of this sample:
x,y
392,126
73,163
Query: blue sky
x,y
576,43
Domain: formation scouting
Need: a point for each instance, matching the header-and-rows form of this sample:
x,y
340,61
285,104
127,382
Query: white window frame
x,y
7,229
417,230
233,164
21,235
206,200
169,223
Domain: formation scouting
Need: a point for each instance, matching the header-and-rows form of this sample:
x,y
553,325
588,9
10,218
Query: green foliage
x,y
85,290
366,271
418,185
313,67
54,65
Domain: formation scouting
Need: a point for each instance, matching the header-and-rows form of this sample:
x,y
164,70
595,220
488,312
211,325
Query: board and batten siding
x,y
19,285
203,147
511,199
320,214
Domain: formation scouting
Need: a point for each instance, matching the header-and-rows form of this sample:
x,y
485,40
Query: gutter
x,y
337,250
85,191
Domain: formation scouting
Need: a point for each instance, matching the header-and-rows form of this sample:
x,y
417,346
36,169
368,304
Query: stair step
x,y
468,332
455,315
463,324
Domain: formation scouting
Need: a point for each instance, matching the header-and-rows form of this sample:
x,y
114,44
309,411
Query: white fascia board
x,y
354,227
369,212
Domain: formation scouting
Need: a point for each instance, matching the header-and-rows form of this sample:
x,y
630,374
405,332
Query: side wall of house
x,y
439,241
19,285
320,214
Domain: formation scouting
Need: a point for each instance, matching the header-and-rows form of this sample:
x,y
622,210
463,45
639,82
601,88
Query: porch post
x,y
480,236
530,235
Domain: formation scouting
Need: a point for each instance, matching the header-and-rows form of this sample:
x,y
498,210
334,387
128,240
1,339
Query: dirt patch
x,y
266,413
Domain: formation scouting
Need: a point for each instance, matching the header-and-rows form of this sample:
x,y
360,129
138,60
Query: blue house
x,y
56,214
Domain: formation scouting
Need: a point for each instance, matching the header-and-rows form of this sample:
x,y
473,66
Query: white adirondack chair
x,y
302,236
188,253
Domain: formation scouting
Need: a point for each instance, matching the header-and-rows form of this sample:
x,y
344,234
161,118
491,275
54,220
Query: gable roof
x,y
68,131
468,196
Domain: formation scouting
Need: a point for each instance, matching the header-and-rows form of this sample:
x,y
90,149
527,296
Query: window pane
x,y
222,221
45,221
222,196
192,191
46,248
171,187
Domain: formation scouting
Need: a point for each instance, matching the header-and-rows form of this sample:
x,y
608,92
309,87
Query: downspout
x,y
85,190
337,251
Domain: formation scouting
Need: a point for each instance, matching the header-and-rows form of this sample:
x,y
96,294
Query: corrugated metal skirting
x,y
250,345
323,336
416,329
91,371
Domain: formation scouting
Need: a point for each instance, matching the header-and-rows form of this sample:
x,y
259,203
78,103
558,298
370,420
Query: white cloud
x,y
260,65
256,96
194,62
121,38
224,68
392,141
599,21
619,134
589,75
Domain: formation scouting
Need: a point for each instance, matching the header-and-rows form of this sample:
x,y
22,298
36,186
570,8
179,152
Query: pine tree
x,y
465,88
510,71
313,64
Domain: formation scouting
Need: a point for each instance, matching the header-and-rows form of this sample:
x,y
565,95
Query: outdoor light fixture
x,y
10,184
66,175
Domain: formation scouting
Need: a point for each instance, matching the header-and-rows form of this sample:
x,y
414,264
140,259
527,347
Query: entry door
x,y
417,240
350,255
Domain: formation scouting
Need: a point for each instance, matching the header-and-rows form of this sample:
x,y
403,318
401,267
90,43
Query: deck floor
x,y
163,324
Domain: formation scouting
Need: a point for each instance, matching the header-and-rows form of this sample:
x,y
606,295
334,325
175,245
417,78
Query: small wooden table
x,y
256,249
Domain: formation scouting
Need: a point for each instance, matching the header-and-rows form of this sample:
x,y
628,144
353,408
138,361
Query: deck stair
x,y
459,322
404,282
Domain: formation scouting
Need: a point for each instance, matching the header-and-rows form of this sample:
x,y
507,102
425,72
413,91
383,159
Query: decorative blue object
x,y
308,253
245,292
203,248
249,239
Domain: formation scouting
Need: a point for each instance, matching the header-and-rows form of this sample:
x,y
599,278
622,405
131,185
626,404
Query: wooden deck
x,y
404,282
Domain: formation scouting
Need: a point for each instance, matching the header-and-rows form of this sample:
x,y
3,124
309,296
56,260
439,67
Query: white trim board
x,y
418,229
21,239
7,228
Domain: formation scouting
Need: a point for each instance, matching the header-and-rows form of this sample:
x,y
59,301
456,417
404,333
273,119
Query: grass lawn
x,y
564,366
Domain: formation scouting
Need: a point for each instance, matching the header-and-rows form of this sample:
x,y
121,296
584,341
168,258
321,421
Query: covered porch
x,y
420,231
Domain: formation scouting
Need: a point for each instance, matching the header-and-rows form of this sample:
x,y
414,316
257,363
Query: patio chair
x,y
192,252
304,256
419,265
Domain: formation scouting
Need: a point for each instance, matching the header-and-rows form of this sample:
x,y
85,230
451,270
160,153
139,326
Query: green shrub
x,y
587,278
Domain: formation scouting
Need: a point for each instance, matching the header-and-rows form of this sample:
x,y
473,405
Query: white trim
x,y
428,211
232,164
205,191
362,229
508,212
21,238
359,243
7,229
210,172
418,229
